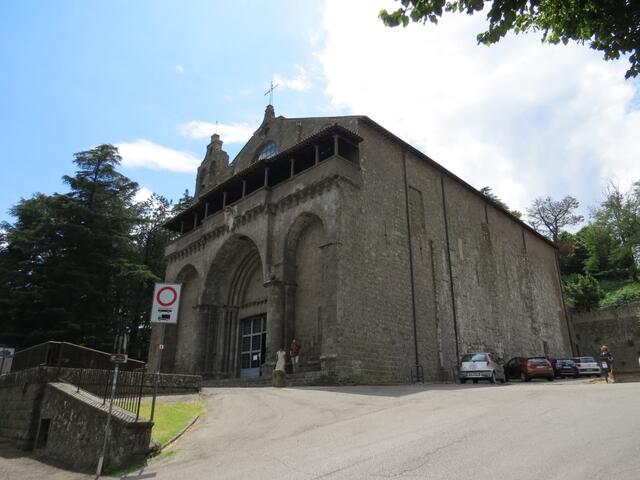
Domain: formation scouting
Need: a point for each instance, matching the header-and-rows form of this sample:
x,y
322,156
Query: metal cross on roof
x,y
270,92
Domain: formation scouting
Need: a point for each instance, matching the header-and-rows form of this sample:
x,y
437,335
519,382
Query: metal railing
x,y
67,355
129,385
87,369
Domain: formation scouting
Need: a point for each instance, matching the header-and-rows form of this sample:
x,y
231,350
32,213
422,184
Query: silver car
x,y
587,366
481,366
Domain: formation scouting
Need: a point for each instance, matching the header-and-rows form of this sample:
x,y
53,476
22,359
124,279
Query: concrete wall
x,y
618,328
76,425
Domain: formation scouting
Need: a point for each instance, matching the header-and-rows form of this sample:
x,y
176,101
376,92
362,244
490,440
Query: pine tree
x,y
70,258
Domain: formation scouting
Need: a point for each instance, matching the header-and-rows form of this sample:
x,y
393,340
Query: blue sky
x,y
153,77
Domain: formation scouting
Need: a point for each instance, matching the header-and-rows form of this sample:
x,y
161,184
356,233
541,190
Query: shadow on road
x,y
140,475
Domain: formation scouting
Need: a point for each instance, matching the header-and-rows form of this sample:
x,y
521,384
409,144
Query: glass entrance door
x,y
252,345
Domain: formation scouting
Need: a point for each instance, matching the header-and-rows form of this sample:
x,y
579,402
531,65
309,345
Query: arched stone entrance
x,y
235,302
309,281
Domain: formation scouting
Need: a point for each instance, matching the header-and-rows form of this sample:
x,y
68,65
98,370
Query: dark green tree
x,y
583,292
68,256
619,217
181,205
599,244
150,240
34,283
611,26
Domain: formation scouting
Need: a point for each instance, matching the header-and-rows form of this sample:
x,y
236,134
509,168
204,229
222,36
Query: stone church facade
x,y
375,258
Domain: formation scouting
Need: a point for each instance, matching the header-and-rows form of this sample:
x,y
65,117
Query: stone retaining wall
x,y
313,378
169,383
71,430
21,395
619,328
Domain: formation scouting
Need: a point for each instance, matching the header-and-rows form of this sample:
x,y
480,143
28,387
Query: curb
x,y
179,434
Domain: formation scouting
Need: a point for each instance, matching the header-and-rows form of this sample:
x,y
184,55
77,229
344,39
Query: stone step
x,y
299,379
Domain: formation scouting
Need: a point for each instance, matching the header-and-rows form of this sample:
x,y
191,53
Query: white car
x,y
587,366
481,366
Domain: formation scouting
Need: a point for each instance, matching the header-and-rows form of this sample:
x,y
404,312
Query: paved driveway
x,y
540,430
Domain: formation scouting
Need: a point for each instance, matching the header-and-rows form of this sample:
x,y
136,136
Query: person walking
x,y
605,359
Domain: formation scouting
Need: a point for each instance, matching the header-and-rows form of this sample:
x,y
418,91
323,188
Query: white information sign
x,y
166,301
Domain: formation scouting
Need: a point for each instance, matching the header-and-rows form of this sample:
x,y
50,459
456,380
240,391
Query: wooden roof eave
x,y
174,223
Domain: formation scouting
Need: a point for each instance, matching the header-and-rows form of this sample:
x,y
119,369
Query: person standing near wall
x,y
294,352
605,359
279,377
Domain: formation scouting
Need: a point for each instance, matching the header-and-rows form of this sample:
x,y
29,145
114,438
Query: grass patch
x,y
619,293
170,418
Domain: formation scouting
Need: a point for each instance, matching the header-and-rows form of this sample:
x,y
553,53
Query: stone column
x,y
223,332
206,318
275,322
289,313
330,340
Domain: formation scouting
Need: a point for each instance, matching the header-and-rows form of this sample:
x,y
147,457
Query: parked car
x,y
526,368
587,366
566,367
481,366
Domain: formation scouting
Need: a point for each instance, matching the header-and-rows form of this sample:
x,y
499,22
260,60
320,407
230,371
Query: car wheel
x,y
475,381
463,380
550,379
577,375
493,377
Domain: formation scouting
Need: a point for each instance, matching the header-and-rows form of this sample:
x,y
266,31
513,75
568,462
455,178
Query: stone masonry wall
x,y
21,395
502,282
480,279
76,430
618,328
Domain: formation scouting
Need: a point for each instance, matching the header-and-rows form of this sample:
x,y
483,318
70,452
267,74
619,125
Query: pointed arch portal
x,y
235,300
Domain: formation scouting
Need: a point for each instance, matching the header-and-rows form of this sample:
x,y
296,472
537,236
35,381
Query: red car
x,y
526,368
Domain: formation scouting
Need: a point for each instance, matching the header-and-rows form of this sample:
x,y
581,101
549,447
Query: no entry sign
x,y
166,301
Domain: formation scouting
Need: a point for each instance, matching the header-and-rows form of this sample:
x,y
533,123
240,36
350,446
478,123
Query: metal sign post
x,y
166,304
116,359
156,374
106,428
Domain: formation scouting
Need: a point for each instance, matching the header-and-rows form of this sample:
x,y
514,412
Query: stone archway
x,y
309,284
235,304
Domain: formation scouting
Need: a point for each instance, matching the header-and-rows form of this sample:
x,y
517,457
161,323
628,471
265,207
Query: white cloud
x,y
299,82
146,154
229,133
143,195
524,118
179,68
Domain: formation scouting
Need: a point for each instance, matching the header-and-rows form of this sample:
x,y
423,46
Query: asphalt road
x,y
540,430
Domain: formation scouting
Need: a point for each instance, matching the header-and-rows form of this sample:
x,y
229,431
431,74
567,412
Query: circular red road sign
x,y
167,296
